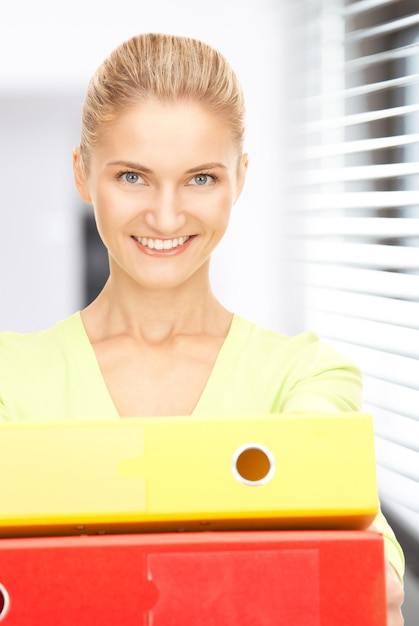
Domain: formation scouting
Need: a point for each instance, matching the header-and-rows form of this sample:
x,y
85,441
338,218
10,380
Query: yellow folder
x,y
187,473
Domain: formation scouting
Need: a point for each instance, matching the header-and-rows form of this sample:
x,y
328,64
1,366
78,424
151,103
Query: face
x,y
162,179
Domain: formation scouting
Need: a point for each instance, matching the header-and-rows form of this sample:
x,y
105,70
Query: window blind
x,y
355,212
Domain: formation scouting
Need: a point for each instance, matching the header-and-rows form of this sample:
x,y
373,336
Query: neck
x,y
156,314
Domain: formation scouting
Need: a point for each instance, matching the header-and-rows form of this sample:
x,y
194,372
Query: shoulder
x,y
305,372
36,367
19,347
305,346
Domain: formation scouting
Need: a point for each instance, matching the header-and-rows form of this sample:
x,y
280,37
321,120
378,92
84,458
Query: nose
x,y
165,214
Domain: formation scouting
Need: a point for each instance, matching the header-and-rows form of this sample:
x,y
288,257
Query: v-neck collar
x,y
94,384
222,367
91,378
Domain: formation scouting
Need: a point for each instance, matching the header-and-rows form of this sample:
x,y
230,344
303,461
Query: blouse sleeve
x,y
328,382
322,380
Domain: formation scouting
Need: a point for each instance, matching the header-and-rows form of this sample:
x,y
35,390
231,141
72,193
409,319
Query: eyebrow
x,y
130,165
206,166
147,170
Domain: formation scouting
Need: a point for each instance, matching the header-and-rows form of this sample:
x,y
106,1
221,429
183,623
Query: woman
x,y
161,160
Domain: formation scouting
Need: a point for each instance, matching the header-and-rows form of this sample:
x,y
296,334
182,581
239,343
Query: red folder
x,y
258,578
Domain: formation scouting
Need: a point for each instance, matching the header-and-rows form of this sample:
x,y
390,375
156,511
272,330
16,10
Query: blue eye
x,y
131,178
203,179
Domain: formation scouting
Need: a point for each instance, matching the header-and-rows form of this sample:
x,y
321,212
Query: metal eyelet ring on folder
x,y
4,602
253,464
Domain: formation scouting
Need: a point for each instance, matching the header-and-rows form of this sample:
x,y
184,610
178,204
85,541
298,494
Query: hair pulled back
x,y
163,67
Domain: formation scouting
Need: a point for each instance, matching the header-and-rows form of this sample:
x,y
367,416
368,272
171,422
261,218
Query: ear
x,y
241,174
80,175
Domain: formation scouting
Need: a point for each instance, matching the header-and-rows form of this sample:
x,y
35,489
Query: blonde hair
x,y
167,68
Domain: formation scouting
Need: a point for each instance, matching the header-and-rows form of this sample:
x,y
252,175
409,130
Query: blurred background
x,y
326,234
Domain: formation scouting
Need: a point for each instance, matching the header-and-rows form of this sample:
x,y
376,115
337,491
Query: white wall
x,y
39,244
48,53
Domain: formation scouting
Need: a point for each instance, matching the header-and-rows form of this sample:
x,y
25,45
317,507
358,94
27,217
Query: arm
x,y
328,382
394,571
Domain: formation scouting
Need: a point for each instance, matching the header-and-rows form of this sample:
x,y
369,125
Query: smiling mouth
x,y
162,244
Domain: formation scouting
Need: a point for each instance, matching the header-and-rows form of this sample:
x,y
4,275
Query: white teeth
x,y
162,244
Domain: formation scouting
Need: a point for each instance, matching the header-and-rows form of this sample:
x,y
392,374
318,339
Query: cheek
x,y
110,207
213,205
108,216
215,216
103,212
219,214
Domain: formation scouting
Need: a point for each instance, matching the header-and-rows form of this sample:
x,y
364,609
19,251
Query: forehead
x,y
163,130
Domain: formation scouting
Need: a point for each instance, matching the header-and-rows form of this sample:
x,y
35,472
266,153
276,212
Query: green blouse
x,y
54,374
